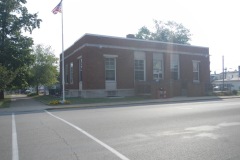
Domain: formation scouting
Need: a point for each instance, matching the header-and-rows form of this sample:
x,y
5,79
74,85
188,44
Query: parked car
x,y
27,91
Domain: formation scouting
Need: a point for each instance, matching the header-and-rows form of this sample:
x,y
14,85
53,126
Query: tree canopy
x,y
44,70
6,77
15,48
165,31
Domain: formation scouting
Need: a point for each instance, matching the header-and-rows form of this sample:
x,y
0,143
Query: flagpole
x,y
63,81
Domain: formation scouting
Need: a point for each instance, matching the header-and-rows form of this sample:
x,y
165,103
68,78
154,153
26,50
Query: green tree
x,y
6,77
44,70
15,48
165,31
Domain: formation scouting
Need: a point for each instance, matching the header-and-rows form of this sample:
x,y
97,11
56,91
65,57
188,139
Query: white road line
x,y
184,108
14,140
91,137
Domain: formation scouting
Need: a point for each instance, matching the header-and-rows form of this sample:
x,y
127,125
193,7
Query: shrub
x,y
67,102
56,102
234,92
32,94
5,103
218,94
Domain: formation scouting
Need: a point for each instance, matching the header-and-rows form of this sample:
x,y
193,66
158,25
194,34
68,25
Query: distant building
x,y
101,66
231,80
215,77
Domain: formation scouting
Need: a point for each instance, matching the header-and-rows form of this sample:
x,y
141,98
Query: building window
x,y
66,74
139,68
157,66
196,71
110,69
71,73
80,69
175,67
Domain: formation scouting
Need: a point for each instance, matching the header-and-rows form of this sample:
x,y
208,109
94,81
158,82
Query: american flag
x,y
58,8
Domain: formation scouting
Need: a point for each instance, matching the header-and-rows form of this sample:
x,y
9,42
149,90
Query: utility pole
x,y
223,73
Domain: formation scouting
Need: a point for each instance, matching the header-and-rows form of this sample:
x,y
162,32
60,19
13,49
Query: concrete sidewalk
x,y
22,103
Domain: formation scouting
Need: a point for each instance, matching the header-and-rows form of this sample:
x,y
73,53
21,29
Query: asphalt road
x,y
207,130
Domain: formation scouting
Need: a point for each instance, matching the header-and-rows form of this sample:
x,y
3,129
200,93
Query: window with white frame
x,y
158,66
175,67
196,71
110,69
71,73
139,70
66,74
139,66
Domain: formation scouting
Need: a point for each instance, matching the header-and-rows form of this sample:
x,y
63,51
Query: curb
x,y
155,101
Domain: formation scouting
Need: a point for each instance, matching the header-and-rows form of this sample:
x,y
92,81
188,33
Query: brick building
x,y
100,66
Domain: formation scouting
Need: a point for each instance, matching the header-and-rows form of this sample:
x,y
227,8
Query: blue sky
x,y
214,24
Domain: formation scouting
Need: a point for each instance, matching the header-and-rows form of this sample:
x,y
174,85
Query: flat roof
x,y
95,40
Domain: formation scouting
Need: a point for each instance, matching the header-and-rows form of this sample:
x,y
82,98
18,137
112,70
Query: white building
x,y
231,80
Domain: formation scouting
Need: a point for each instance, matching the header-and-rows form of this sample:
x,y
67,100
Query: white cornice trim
x,y
141,40
100,46
110,56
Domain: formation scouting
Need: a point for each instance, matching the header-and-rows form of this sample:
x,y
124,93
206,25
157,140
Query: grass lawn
x,y
76,100
5,103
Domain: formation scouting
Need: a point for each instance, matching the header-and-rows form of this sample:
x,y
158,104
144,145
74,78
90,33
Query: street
x,y
205,130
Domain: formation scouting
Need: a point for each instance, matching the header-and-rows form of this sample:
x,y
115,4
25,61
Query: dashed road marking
x,y
184,108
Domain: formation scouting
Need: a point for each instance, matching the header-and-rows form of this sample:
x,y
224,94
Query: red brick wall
x,y
174,87
75,61
125,69
186,68
94,68
195,89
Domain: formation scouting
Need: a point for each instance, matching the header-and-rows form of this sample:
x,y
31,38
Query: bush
x,y
5,103
234,92
54,92
32,94
67,102
56,102
226,93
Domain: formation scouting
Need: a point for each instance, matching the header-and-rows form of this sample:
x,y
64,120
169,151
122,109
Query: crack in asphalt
x,y
74,154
